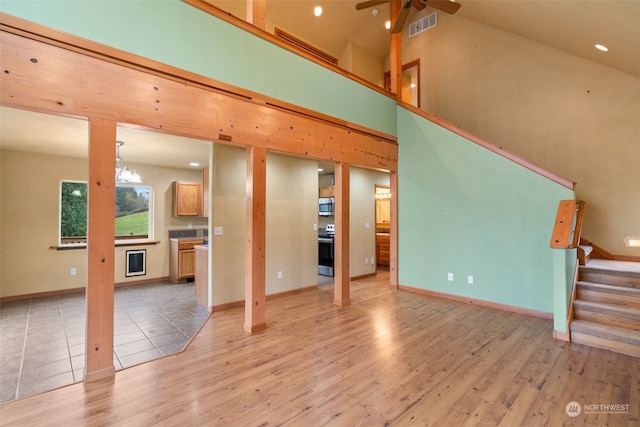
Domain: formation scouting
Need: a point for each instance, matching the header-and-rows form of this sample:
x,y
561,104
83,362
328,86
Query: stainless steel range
x,y
325,250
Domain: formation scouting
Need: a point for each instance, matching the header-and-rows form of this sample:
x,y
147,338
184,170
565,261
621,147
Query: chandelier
x,y
123,173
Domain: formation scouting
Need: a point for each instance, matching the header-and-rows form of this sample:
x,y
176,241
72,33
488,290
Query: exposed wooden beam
x,y
50,83
341,241
255,260
100,240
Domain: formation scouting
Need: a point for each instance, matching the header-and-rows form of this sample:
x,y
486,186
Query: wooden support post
x,y
256,13
395,53
254,298
393,239
341,241
100,250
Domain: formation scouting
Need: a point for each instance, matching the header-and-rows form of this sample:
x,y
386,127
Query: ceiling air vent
x,y
423,24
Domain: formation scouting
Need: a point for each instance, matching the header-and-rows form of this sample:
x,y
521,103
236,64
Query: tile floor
x,y
42,340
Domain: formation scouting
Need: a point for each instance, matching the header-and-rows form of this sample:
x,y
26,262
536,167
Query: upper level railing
x,y
568,225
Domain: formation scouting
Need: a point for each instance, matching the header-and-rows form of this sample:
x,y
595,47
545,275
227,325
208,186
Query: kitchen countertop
x,y
188,238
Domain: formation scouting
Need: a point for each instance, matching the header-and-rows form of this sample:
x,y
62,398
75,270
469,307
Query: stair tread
x,y
607,271
612,289
605,331
612,309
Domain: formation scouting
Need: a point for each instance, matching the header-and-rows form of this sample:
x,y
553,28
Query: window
x,y
133,219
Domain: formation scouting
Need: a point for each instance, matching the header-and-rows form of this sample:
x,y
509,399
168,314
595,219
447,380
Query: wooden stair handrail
x,y
565,234
577,231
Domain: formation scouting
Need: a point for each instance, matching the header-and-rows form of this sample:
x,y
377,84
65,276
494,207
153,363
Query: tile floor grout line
x,y
66,340
172,324
143,333
24,348
141,299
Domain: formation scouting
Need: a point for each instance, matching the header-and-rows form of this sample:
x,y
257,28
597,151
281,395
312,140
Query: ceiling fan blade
x,y
446,6
366,4
402,17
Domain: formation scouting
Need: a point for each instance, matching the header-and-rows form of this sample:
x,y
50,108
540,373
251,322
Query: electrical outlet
x,y
315,227
189,226
73,271
217,231
366,225
450,277
372,261
366,261
279,274
470,279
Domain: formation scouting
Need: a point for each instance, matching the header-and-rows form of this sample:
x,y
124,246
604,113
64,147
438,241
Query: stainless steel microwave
x,y
326,206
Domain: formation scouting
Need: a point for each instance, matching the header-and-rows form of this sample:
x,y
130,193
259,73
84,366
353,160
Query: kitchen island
x,y
201,279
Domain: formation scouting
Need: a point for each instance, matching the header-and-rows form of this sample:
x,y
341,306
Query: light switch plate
x,y
217,231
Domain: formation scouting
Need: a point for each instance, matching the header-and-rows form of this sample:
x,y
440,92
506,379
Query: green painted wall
x,y
564,269
466,210
174,33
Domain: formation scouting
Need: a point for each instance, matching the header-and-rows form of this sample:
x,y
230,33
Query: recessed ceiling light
x,y
602,47
375,11
320,169
387,25
194,164
317,11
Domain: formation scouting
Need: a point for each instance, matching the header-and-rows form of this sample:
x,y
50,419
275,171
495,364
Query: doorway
x,y
383,224
410,82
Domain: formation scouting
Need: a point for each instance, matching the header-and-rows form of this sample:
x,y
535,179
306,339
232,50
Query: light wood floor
x,y
391,358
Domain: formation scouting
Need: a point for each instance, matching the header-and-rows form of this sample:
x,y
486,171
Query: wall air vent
x,y
423,24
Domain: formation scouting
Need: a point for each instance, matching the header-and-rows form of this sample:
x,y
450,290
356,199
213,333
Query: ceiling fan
x,y
446,6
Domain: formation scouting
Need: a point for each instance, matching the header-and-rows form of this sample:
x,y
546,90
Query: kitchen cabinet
x,y
383,248
187,199
182,258
328,191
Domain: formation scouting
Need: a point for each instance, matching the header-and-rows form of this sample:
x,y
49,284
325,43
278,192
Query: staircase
x,y
607,307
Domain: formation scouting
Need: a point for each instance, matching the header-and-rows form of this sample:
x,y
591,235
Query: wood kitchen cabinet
x,y
383,248
328,191
187,198
182,258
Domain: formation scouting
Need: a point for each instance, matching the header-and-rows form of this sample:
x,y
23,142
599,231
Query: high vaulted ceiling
x,y
573,26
